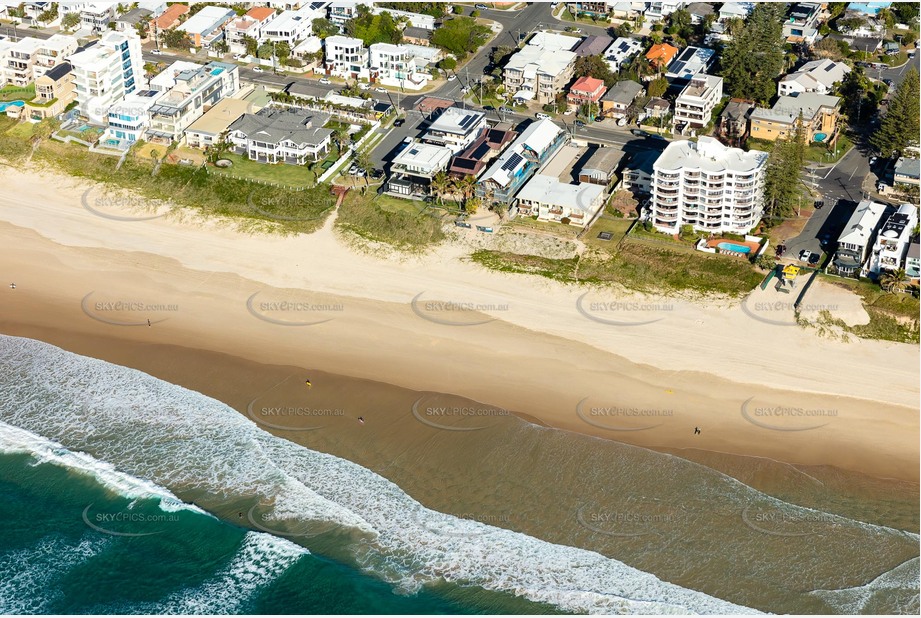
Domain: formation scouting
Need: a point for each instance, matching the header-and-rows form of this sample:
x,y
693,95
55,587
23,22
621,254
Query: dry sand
x,y
753,387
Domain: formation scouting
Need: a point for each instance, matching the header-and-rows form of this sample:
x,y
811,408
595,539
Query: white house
x,y
96,16
416,20
709,186
19,65
694,105
129,119
294,26
248,25
401,66
893,239
206,26
657,11
542,69
341,12
819,76
193,92
733,10
52,52
107,71
274,135
855,241
414,167
621,51
552,200
455,128
346,57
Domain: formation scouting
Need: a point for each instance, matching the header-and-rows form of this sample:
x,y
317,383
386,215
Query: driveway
x,y
383,154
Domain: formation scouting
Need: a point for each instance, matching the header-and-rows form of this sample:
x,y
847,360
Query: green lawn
x,y
617,226
819,153
588,21
279,174
17,93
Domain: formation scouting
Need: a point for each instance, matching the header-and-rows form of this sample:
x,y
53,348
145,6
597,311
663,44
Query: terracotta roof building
x,y
661,55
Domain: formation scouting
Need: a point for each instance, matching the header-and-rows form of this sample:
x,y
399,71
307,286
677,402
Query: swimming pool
x,y
819,137
731,246
5,105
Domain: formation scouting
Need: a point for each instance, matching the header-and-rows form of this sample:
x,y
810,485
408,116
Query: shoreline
x,y
531,372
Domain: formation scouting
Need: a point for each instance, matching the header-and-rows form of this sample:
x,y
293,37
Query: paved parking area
x,y
383,154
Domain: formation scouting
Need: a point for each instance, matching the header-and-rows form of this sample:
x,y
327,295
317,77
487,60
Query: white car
x,y
622,122
465,90
258,70
384,90
364,87
451,78
325,81
542,116
569,112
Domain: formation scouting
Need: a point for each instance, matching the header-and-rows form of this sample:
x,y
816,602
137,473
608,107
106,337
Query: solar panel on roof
x,y
829,67
512,162
623,46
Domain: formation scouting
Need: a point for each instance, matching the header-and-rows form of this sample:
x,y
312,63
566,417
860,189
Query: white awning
x,y
524,95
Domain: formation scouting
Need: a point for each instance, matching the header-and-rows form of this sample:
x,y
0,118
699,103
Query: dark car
x,y
399,122
488,108
814,259
638,133
506,110
818,204
578,123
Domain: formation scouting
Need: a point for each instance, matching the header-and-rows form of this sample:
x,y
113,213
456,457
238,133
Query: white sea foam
x,y
864,599
181,439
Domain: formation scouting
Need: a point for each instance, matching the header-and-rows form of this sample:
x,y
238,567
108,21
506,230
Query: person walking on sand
x,y
361,420
697,431
148,322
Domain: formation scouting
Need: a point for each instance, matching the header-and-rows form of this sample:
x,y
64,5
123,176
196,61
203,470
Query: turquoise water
x,y
5,105
731,246
819,137
217,71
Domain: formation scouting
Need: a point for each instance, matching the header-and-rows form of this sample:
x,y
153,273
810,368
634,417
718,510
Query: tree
x,y
499,55
176,39
460,36
364,162
472,204
70,21
264,51
905,12
282,51
448,64
252,45
49,14
323,28
372,28
595,66
657,87
220,47
754,56
899,128
457,9
341,135
440,185
435,9
782,176
893,281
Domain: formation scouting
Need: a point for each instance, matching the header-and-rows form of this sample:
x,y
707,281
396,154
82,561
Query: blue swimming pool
x,y
731,246
5,105
819,137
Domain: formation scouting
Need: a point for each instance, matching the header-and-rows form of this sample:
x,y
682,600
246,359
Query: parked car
x,y
569,112
384,90
364,87
325,81
407,141
465,90
399,122
452,77
542,116
805,255
639,133
872,160
814,259
622,122
577,30
506,110
578,123
481,7
258,69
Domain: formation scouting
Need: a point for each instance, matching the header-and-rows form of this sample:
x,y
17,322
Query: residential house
x,y
913,260
709,186
54,91
657,108
700,11
617,100
207,25
401,66
906,171
894,237
310,53
661,55
96,16
416,20
19,68
691,61
215,123
289,26
528,153
341,12
593,45
542,69
105,72
414,168
621,52
169,19
281,135
417,36
819,111
858,236
487,146
129,119
248,25
802,22
455,128
52,52
657,11
166,79
129,21
735,10
587,91
552,200
694,105
346,57
733,122
626,10
194,91
639,172
817,76
600,167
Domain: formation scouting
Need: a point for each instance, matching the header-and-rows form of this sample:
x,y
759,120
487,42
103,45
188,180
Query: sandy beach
x,y
756,389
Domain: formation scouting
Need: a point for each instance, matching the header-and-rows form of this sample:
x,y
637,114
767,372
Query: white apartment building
x,y
194,92
5,46
52,52
819,76
341,12
346,57
542,69
105,72
293,26
893,240
400,65
251,25
129,119
455,128
621,51
694,106
855,241
19,67
709,186
657,11
96,16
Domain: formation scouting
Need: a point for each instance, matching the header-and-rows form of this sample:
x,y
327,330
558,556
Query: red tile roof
x,y
170,15
260,13
587,84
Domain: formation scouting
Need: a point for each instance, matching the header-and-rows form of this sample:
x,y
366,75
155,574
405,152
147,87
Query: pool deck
x,y
713,242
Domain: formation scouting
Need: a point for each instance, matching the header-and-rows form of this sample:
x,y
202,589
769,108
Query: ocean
x,y
125,493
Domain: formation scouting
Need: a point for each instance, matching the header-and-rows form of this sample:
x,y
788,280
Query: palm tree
x,y
466,185
472,204
893,281
440,185
342,136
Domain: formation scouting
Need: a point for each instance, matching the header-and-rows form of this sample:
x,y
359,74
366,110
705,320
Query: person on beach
x,y
308,383
697,431
361,420
148,322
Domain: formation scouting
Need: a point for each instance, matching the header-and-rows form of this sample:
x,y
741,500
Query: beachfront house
x,y
129,119
551,200
455,128
487,147
600,167
707,185
214,124
521,160
893,240
414,168
281,135
54,91
855,241
193,92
